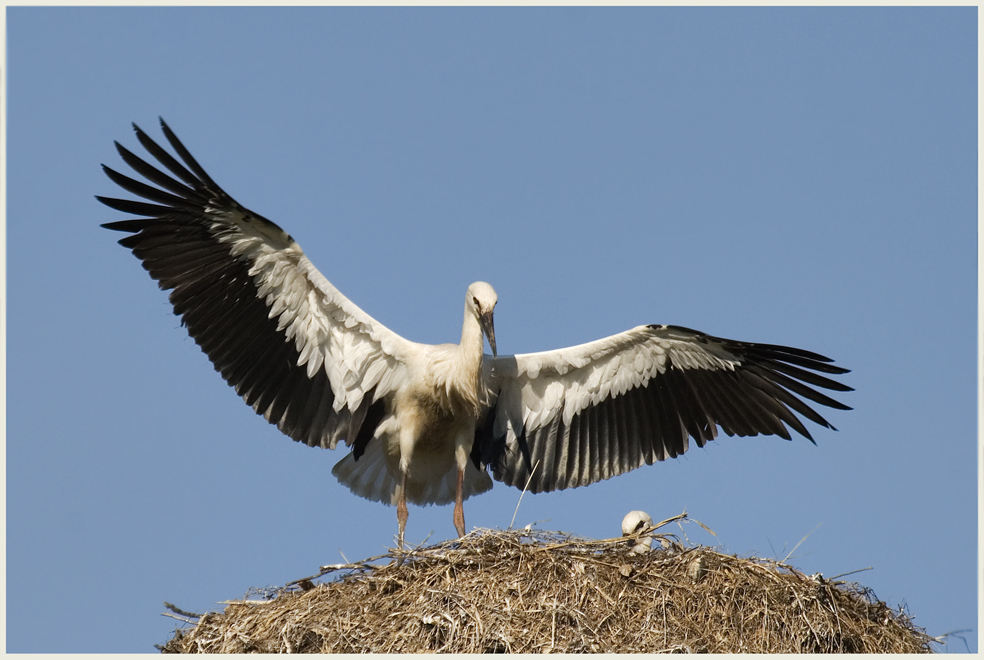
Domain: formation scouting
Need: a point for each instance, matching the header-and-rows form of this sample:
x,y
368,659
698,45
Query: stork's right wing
x,y
582,414
298,351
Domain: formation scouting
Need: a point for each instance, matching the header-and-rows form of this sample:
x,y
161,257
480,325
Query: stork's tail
x,y
371,478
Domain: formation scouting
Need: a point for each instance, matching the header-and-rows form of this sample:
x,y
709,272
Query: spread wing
x,y
299,353
593,411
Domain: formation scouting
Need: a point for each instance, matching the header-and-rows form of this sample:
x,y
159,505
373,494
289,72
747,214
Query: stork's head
x,y
635,521
480,301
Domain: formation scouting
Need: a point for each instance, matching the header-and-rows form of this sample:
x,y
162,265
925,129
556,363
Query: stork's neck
x,y
469,359
472,342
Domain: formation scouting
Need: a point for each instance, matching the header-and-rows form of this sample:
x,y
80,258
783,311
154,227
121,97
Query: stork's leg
x,y
401,508
459,509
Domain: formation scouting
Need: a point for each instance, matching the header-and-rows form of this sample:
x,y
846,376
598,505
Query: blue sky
x,y
795,176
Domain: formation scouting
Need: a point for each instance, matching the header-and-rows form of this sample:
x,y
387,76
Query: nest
x,y
531,591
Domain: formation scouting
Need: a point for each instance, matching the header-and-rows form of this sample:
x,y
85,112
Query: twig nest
x,y
537,592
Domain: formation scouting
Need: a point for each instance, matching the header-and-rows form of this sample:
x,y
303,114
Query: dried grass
x,y
532,592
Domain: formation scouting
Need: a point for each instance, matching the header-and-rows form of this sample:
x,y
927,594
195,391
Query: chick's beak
x,y
485,318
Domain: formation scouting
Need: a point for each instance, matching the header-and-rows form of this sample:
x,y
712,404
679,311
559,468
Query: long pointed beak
x,y
489,329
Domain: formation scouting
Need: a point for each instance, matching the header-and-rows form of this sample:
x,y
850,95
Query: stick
x,y
798,544
532,472
180,611
850,573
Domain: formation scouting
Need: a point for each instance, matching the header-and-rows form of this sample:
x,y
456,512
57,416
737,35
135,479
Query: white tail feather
x,y
370,477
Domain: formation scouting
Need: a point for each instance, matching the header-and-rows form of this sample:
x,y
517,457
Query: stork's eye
x,y
475,300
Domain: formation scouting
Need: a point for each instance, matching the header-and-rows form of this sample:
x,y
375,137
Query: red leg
x,y
401,508
459,509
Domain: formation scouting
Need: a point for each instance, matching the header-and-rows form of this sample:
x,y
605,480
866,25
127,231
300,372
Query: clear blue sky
x,y
796,176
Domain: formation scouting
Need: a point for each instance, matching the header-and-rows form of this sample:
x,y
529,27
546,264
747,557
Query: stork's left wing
x,y
600,409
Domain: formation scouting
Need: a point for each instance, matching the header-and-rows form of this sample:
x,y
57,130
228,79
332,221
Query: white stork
x,y
427,424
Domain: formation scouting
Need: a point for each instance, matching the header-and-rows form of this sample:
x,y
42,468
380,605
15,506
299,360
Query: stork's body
x,y
427,424
430,428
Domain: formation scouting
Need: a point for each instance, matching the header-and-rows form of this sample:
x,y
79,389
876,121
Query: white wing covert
x,y
299,352
590,412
